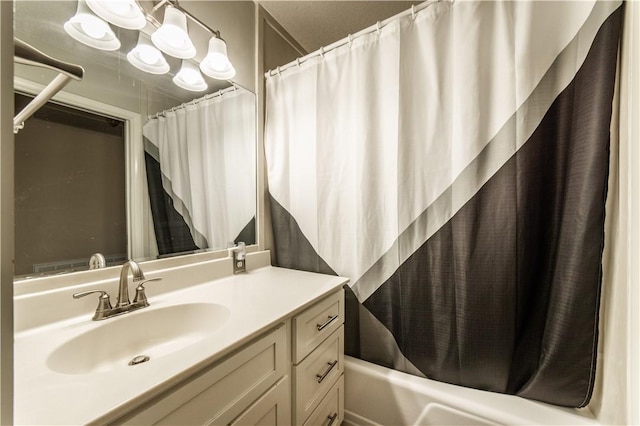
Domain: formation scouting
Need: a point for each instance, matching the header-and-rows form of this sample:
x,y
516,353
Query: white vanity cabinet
x,y
291,374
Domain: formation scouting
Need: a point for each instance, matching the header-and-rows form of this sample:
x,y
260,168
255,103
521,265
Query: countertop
x,y
258,300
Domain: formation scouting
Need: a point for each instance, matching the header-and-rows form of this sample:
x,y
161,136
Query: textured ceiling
x,y
321,22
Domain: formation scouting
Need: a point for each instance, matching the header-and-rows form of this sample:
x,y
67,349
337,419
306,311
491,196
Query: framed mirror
x,y
126,163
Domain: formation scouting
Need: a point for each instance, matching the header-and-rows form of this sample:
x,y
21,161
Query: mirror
x,y
184,169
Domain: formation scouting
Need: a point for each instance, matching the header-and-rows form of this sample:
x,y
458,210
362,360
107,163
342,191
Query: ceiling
x,y
318,23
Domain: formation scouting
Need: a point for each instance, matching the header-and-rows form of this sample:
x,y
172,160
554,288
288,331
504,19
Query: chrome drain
x,y
139,360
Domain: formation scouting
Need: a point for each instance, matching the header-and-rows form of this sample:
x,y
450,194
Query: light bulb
x,y
146,57
189,77
89,29
148,54
120,7
217,61
172,37
216,64
94,28
123,13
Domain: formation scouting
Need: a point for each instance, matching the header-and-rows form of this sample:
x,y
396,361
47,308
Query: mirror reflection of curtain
x,y
200,161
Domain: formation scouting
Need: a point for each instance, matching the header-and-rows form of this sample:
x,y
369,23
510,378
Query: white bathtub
x,y
376,395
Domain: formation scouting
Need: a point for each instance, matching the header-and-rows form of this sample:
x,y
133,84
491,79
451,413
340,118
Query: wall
x,y
6,212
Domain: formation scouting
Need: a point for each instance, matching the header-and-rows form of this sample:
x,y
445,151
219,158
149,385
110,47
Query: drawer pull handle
x,y
327,371
332,419
329,321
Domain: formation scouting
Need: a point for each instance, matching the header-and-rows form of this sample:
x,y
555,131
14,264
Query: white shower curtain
x,y
206,153
413,103
452,163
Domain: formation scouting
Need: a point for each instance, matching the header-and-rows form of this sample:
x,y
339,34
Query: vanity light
x,y
88,29
172,37
123,13
216,64
189,78
146,57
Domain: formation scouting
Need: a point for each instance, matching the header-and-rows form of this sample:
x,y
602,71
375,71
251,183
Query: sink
x,y
151,332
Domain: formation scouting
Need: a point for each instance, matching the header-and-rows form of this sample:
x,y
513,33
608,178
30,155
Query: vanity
x,y
261,347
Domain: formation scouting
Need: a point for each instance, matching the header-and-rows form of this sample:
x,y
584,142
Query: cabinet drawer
x,y
315,375
220,394
271,409
315,324
330,411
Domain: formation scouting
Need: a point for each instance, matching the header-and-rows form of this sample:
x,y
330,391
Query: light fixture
x,y
123,13
146,57
88,29
189,78
216,64
172,37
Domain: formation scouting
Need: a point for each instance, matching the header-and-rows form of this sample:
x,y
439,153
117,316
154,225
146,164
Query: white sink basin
x,y
148,332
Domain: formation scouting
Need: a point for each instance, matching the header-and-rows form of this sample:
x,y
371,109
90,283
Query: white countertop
x,y
258,301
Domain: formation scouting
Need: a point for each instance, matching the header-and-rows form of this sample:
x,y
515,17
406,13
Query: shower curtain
x,y
453,164
200,160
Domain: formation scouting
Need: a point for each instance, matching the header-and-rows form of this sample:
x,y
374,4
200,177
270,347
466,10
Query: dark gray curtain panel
x,y
172,233
504,295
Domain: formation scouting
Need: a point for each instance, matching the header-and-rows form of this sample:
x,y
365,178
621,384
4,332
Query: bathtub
x,y
376,395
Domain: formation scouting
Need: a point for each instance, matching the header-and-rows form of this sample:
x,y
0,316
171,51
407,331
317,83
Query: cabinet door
x,y
330,412
315,375
314,325
271,409
218,395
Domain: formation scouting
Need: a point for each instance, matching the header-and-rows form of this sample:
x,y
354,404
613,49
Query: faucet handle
x,y
141,297
104,303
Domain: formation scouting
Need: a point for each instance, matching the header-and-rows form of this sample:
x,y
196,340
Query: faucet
x,y
123,304
123,288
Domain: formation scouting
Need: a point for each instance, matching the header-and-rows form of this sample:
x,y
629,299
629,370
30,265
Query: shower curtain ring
x,y
278,71
378,28
322,52
413,11
350,40
298,62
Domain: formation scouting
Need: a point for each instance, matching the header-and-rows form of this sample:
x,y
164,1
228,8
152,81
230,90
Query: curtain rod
x,y
208,96
349,39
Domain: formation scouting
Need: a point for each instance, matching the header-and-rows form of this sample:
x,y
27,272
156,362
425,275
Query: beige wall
x,y
6,213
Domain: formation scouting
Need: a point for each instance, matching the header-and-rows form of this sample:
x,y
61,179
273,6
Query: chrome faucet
x,y
123,304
